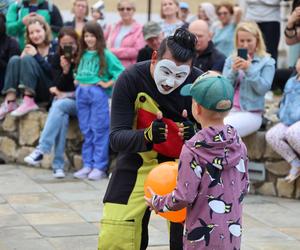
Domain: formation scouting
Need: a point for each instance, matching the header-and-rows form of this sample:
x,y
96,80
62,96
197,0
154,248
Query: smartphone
x,y
243,53
67,50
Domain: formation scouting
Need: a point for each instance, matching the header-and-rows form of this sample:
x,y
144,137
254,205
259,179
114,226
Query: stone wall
x,y
275,167
19,136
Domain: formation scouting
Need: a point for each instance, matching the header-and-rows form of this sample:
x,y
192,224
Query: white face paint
x,y
168,76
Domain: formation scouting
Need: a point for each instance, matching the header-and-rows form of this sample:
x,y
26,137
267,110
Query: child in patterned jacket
x,y
212,174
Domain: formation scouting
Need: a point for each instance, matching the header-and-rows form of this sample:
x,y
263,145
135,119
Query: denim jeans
x,y
93,117
56,128
26,73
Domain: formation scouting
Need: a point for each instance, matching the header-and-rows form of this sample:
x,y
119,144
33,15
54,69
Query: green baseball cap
x,y
213,92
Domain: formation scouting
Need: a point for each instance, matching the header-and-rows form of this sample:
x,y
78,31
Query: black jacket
x,y
210,59
8,48
144,54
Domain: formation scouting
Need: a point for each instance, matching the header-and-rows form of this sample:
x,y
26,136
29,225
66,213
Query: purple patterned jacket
x,y
212,182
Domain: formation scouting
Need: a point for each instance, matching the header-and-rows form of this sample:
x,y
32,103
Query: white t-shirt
x,y
125,29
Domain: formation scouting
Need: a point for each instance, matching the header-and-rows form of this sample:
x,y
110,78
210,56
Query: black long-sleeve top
x,y
64,82
137,79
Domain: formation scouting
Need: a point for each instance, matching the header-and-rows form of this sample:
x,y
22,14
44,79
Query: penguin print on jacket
x,y
214,171
218,205
196,168
201,233
234,228
220,137
203,143
241,168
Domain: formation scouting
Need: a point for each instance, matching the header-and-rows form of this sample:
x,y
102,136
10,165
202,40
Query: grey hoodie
x,y
212,182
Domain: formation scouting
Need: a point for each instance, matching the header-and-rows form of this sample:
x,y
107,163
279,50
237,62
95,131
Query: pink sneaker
x,y
96,175
7,107
27,105
82,173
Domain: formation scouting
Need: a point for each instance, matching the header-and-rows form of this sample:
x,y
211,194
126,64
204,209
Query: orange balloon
x,y
162,180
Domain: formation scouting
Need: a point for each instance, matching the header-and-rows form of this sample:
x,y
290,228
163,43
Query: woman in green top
x,y
19,13
97,70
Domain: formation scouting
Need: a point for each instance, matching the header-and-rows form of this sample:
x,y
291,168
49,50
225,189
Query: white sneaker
x,y
34,158
59,173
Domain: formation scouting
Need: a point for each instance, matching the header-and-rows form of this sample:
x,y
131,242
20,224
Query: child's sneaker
x,y
27,105
59,173
7,107
96,175
293,174
82,173
34,158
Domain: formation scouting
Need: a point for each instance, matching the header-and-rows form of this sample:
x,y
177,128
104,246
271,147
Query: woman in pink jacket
x,y
125,38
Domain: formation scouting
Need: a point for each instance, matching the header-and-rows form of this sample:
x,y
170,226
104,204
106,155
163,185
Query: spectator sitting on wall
x,y
30,73
63,104
284,136
208,57
153,37
251,74
20,12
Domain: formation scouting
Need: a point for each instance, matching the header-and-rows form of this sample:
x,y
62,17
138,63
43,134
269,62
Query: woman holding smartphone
x,y
251,77
63,105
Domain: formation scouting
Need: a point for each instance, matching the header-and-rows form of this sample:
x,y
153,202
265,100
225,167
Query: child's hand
x,y
149,200
30,50
104,85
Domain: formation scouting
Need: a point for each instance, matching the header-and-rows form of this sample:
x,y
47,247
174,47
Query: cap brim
x,y
186,90
151,35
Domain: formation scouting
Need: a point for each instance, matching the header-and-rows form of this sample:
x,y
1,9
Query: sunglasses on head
x,y
123,9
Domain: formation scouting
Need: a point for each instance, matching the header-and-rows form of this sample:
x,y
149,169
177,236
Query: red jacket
x,y
130,45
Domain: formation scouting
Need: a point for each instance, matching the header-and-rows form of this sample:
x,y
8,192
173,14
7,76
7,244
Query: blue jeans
x,y
56,128
93,117
26,73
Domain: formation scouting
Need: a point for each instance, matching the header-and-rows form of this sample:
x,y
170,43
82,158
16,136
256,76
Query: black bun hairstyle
x,y
182,45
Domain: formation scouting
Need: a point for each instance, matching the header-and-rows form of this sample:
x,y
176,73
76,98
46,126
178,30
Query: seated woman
x,y
284,136
30,72
251,76
63,105
125,39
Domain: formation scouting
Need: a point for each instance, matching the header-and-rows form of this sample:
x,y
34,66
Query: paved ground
x,y
38,212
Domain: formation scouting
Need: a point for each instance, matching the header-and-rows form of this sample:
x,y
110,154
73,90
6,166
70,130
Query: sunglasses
x,y
123,9
222,13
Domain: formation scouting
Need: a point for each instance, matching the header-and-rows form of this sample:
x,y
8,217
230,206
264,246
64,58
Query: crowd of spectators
x,y
40,54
